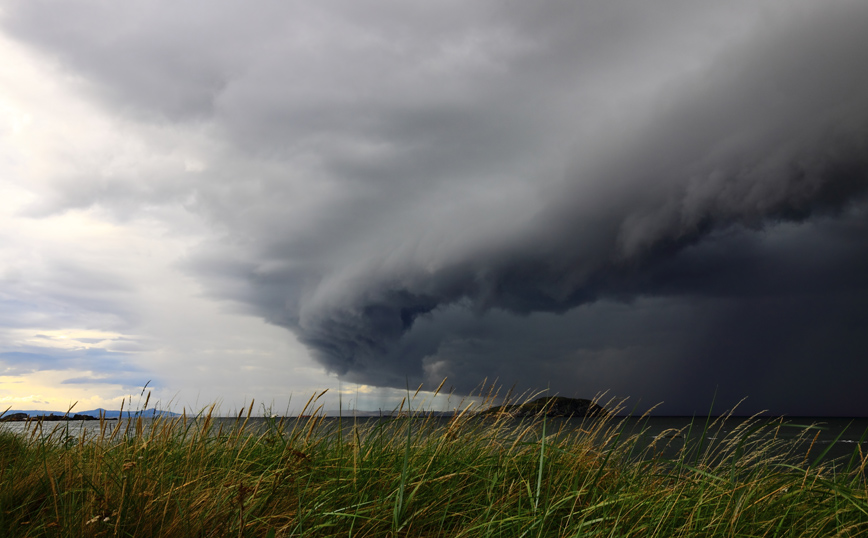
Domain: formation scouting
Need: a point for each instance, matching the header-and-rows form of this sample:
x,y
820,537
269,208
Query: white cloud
x,y
89,270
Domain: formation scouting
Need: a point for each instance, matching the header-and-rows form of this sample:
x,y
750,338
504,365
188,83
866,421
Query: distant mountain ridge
x,y
95,413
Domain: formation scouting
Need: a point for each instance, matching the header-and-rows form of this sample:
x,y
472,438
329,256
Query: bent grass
x,y
422,477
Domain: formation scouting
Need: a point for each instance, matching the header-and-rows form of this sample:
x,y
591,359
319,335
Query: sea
x,y
807,440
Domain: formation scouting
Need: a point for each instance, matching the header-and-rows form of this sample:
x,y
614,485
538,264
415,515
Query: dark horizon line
x,y
377,413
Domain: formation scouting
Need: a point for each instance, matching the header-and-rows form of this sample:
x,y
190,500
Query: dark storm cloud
x,y
652,198
772,131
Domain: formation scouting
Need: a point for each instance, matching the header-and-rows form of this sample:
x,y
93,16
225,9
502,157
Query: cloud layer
x,y
652,200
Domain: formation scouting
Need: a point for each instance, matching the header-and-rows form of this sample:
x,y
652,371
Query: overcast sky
x,y
232,200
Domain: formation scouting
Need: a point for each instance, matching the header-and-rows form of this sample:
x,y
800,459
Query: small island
x,y
24,417
550,406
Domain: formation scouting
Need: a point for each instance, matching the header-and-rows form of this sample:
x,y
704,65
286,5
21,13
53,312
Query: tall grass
x,y
423,477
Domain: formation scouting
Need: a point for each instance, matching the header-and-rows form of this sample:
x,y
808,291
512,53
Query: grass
x,y
423,477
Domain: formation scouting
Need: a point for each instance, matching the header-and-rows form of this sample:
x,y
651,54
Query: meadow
x,y
421,477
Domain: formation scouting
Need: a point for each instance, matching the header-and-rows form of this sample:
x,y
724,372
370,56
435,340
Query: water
x,y
833,438
827,438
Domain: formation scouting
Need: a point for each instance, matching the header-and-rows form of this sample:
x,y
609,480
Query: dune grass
x,y
422,477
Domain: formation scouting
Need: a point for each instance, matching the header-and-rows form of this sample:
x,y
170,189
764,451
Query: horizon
x,y
476,405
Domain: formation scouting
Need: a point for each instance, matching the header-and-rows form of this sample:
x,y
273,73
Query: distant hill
x,y
550,406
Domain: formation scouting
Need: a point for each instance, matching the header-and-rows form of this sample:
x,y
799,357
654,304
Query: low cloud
x,y
555,196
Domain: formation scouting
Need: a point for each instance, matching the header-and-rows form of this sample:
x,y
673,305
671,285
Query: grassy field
x,y
422,477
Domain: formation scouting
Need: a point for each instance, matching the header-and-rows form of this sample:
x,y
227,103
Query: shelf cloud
x,y
658,201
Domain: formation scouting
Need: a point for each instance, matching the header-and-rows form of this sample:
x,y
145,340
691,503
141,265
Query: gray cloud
x,y
18,362
61,293
28,359
644,198
129,380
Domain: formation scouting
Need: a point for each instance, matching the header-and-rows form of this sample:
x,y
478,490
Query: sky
x,y
660,201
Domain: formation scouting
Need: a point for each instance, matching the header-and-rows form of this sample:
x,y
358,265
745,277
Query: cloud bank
x,y
651,200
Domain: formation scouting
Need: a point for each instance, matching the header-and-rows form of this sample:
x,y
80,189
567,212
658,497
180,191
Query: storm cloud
x,y
659,200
